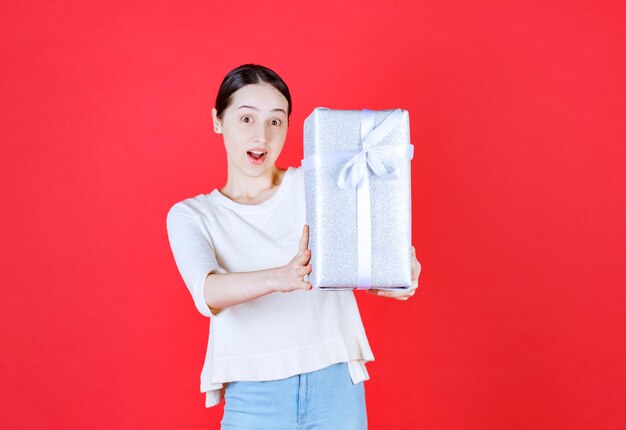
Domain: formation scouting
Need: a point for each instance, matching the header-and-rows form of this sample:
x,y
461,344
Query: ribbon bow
x,y
382,160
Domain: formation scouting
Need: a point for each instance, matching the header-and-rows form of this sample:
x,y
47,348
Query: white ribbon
x,y
383,160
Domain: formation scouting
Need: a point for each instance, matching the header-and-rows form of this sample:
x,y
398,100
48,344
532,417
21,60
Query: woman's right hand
x,y
291,276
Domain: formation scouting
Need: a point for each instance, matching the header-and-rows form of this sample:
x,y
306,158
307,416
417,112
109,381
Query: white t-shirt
x,y
277,335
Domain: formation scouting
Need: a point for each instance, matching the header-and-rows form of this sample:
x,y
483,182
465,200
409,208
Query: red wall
x,y
517,116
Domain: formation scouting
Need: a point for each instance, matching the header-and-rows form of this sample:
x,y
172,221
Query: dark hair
x,y
244,75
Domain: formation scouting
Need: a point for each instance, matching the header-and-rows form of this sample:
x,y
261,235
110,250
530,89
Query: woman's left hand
x,y
402,294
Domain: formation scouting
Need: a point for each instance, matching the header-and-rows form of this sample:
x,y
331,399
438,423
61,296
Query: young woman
x,y
282,354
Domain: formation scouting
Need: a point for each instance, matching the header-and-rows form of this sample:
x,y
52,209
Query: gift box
x,y
358,198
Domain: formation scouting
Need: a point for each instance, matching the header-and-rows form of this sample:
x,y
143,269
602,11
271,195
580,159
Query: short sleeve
x,y
193,252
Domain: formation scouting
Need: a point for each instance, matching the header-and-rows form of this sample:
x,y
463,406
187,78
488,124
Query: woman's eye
x,y
246,119
275,122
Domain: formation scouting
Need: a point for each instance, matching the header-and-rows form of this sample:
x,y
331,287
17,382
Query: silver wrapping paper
x,y
332,212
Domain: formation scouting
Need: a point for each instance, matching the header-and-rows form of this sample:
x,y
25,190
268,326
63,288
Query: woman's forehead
x,y
262,97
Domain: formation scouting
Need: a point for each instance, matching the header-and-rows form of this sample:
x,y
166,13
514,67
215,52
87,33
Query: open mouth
x,y
256,156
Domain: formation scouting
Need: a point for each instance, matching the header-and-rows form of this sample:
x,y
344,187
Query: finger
x,y
303,270
305,285
393,294
304,239
303,257
384,293
416,269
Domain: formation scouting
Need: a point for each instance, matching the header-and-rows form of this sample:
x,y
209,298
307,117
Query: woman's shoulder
x,y
296,171
193,206
293,180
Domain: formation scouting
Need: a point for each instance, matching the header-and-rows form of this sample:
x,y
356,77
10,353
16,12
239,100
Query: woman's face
x,y
254,128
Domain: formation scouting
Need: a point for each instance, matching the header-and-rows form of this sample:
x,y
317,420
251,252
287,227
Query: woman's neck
x,y
252,190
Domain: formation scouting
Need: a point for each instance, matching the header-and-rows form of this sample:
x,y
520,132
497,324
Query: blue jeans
x,y
325,399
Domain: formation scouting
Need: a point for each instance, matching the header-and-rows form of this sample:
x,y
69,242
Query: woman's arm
x,y
223,290
211,284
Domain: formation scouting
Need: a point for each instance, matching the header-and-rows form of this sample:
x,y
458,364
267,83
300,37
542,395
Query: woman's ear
x,y
217,126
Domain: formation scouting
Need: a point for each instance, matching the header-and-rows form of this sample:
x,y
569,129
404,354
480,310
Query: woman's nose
x,y
262,133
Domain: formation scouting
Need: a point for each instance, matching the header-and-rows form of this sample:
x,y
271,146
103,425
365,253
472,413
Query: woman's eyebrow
x,y
254,108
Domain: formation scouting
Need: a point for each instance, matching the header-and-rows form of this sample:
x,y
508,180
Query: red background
x,y
517,116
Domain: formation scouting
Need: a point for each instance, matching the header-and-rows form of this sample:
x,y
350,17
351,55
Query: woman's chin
x,y
255,170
